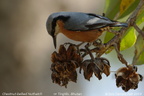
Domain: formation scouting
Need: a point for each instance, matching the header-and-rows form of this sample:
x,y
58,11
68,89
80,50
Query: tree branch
x,y
102,48
139,30
131,21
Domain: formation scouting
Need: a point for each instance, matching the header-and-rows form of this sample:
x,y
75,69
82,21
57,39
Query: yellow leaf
x,y
124,5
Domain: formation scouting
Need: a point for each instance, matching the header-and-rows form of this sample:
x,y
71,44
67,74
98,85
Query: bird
x,y
79,26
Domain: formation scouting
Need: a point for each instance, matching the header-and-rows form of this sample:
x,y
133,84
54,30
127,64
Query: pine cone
x,y
64,65
128,78
99,66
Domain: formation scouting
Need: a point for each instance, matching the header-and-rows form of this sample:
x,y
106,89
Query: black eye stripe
x,y
63,18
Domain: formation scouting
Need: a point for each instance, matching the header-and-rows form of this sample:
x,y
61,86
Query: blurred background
x,y
26,47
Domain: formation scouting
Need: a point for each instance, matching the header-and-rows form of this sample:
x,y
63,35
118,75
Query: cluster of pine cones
x,y
68,59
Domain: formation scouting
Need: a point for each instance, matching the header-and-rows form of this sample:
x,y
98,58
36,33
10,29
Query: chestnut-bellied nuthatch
x,y
78,26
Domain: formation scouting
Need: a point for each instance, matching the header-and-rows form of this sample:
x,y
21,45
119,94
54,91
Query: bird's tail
x,y
119,24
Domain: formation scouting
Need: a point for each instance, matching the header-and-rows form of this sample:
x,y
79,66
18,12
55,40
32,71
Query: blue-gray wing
x,y
83,22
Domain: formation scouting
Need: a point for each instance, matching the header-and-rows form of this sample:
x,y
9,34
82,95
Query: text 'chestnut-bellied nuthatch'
x,y
78,26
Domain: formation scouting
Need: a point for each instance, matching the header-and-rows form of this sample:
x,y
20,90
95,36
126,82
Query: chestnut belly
x,y
83,36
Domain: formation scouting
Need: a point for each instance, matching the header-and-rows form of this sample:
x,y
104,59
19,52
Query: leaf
x,y
140,17
108,37
124,5
139,51
112,8
139,44
127,6
140,60
128,40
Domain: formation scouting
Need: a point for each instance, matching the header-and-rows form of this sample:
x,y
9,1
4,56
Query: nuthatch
x,y
78,26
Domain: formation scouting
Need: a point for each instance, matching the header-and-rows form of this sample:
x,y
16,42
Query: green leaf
x,y
140,17
127,6
128,40
140,60
108,37
139,51
124,5
139,46
112,8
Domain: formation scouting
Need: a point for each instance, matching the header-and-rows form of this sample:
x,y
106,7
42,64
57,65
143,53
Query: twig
x,y
120,56
89,52
102,48
139,30
131,21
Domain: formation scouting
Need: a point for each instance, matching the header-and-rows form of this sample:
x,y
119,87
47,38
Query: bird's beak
x,y
54,41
